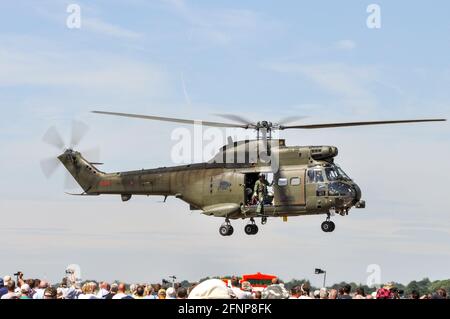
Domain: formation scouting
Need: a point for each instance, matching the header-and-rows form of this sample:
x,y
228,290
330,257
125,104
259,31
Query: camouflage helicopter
x,y
301,180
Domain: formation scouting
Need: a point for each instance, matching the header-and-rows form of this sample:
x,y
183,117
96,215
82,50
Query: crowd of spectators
x,y
21,288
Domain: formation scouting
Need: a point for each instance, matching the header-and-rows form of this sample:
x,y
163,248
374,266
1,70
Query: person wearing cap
x,y
25,292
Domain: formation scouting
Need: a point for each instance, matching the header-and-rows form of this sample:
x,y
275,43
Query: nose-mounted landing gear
x,y
251,229
328,226
226,229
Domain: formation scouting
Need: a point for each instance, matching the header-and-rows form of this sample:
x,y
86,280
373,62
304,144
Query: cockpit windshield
x,y
335,173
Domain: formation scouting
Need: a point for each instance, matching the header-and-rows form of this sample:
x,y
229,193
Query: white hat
x,y
171,293
25,288
211,289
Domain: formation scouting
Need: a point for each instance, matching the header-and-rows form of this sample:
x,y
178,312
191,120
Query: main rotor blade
x,y
49,166
79,130
290,119
236,118
329,125
175,120
53,138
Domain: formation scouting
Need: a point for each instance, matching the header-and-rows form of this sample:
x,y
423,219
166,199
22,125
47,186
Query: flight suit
x,y
260,192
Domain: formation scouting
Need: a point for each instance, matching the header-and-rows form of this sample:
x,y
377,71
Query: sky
x,y
194,59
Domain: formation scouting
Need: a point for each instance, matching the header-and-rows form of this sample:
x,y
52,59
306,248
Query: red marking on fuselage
x,y
105,183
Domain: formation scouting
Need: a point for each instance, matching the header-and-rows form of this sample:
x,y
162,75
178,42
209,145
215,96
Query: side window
x,y
295,181
282,182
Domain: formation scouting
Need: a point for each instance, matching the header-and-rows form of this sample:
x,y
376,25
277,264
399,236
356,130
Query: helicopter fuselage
x,y
303,180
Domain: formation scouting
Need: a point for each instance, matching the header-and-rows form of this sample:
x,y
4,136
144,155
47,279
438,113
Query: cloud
x,y
84,69
350,83
102,27
345,45
217,26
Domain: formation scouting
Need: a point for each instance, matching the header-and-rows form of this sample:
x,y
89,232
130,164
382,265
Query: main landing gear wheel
x,y
328,226
263,220
226,229
251,228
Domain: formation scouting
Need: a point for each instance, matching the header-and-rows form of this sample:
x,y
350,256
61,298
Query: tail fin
x,y
84,172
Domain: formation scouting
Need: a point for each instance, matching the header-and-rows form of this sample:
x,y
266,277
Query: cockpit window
x,y
315,176
330,173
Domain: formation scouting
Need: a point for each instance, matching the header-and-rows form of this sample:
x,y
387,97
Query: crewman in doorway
x,y
260,191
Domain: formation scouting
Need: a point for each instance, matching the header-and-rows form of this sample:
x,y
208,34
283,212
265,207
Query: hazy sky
x,y
260,59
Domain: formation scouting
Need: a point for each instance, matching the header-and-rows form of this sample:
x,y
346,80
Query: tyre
x,y
332,226
223,230
230,230
248,229
254,230
326,226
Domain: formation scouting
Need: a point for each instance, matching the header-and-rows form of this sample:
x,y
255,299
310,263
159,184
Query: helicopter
x,y
300,180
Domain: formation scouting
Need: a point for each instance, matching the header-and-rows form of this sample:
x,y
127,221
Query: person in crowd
x,y
258,295
295,292
171,293
162,294
25,292
316,294
346,290
414,295
88,291
113,291
441,292
39,292
139,292
305,290
11,286
323,294
3,289
275,291
50,293
121,292
333,294
181,293
104,289
247,288
236,287
359,293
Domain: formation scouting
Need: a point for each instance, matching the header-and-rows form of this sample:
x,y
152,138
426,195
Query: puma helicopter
x,y
301,180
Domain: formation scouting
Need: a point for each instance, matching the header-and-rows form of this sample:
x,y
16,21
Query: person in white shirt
x,y
236,288
121,292
39,292
88,291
